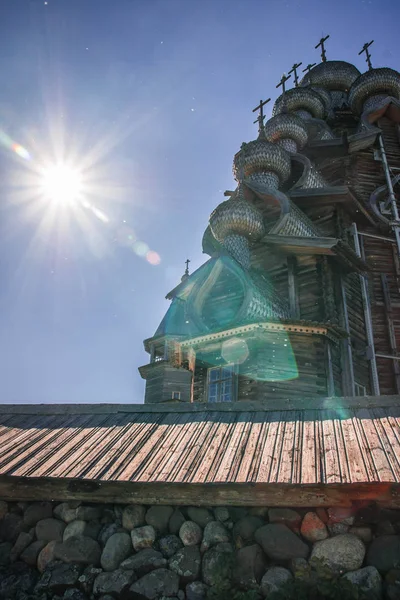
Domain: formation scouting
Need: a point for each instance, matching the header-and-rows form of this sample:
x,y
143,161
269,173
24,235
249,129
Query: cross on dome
x,y
321,43
367,54
294,71
261,116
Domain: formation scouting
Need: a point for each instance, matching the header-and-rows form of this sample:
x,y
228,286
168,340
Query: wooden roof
x,y
298,443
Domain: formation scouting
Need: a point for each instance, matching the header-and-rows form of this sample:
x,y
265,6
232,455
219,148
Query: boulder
x,y
385,528
79,527
50,530
273,580
341,553
115,583
74,594
221,514
46,556
392,584
23,541
37,511
259,511
186,563
158,517
368,581
5,553
133,516
11,526
250,566
244,529
312,528
82,550
106,532
3,509
169,544
116,550
280,543
216,566
17,579
363,533
87,579
144,561
89,513
286,516
338,514
65,512
143,537
157,584
176,521
237,512
59,576
31,553
338,528
214,533
384,552
197,590
199,515
300,568
190,533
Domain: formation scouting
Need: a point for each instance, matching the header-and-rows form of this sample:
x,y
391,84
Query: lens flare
x,y
62,183
153,257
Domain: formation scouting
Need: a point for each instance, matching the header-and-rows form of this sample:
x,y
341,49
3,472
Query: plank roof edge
x,y
331,403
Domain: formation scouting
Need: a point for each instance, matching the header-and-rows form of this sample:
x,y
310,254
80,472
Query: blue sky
x,y
151,98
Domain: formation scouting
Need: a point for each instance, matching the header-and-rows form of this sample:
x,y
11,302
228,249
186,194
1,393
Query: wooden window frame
x,y
221,380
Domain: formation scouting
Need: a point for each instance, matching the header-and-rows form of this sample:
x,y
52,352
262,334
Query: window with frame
x,y
220,384
359,389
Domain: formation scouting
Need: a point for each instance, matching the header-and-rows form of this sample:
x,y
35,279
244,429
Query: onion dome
x,y
372,83
287,130
325,96
300,100
331,75
259,156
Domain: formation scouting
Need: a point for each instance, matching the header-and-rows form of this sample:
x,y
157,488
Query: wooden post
x,y
348,379
391,331
292,283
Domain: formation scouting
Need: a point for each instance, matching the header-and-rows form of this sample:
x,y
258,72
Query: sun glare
x,y
62,184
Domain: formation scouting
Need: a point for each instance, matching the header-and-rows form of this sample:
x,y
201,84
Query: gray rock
x,y
65,512
89,513
116,550
244,530
280,543
226,547
11,526
31,553
169,544
176,521
197,590
186,563
82,550
5,553
385,527
62,576
300,568
37,512
221,514
214,533
237,512
286,516
312,528
274,579
158,517
144,561
50,530
46,556
392,584
23,541
216,567
143,537
363,533
115,583
74,594
86,580
106,532
368,581
384,552
79,527
190,533
341,553
18,579
200,515
250,566
3,509
259,511
337,514
133,516
338,528
156,584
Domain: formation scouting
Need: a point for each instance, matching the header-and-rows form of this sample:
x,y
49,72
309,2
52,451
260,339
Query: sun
x,y
62,184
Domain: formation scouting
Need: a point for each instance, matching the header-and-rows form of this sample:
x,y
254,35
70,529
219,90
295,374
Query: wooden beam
x,y
239,494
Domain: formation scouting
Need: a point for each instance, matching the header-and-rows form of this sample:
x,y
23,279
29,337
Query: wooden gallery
x,y
274,378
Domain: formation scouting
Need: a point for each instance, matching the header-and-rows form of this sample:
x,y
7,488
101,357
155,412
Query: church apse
x,y
286,304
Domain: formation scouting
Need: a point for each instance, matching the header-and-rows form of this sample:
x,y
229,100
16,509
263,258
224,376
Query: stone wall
x,y
75,551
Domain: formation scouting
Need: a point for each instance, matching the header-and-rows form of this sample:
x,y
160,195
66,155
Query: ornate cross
x,y
187,261
321,43
294,71
261,116
309,67
367,54
282,82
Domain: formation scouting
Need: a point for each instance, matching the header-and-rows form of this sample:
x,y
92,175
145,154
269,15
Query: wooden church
x,y
301,293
